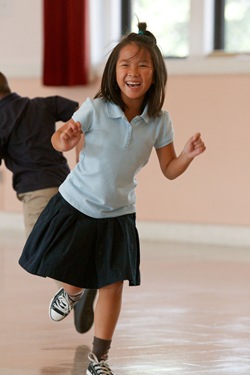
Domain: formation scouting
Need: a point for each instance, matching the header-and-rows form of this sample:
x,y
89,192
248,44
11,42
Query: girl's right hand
x,y
70,134
67,137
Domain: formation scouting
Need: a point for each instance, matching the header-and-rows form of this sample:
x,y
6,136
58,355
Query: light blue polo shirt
x,y
102,184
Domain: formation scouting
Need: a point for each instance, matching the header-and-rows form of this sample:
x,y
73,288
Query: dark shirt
x,y
26,127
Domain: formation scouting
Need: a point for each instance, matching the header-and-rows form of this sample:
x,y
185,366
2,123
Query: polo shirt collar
x,y
114,111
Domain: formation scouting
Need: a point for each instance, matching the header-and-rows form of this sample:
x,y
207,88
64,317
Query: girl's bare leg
x,y
107,310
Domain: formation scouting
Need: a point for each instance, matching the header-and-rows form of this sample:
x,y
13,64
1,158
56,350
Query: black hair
x,y
155,96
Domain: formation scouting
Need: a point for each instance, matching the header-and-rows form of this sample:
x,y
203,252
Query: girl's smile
x,y
134,73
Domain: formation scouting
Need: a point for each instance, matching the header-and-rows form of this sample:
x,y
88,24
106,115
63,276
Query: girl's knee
x,y
112,289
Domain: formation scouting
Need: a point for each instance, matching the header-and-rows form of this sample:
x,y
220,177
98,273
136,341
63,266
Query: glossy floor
x,y
191,315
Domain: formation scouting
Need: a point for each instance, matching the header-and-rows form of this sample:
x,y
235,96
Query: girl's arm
x,y
67,137
173,166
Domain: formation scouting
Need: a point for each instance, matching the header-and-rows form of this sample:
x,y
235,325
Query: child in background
x,y
87,236
26,127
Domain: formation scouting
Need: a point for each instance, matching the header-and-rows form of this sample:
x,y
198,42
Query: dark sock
x,y
101,348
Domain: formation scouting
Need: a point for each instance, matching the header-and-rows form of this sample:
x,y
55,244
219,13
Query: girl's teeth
x,y
133,84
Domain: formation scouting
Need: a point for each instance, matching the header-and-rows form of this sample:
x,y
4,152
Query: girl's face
x,y
134,73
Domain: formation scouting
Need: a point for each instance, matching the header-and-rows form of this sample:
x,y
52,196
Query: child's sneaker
x,y
98,368
60,306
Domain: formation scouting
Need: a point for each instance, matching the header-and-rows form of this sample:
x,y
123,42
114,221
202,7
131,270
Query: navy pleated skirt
x,y
71,247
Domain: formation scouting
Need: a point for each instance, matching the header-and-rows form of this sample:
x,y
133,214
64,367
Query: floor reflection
x,y
77,368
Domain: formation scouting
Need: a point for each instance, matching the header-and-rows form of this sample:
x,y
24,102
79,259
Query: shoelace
x,y
102,368
62,303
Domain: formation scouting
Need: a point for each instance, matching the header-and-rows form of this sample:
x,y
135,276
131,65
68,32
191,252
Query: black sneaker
x,y
98,368
60,306
84,311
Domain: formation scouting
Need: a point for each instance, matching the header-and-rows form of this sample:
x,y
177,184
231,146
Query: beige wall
x,y
215,190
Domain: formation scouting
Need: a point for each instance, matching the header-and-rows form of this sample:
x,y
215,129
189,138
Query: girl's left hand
x,y
194,147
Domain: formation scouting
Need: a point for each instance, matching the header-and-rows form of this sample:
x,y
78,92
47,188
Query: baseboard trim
x,y
11,221
224,235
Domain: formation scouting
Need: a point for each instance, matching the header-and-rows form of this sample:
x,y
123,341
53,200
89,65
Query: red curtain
x,y
66,42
